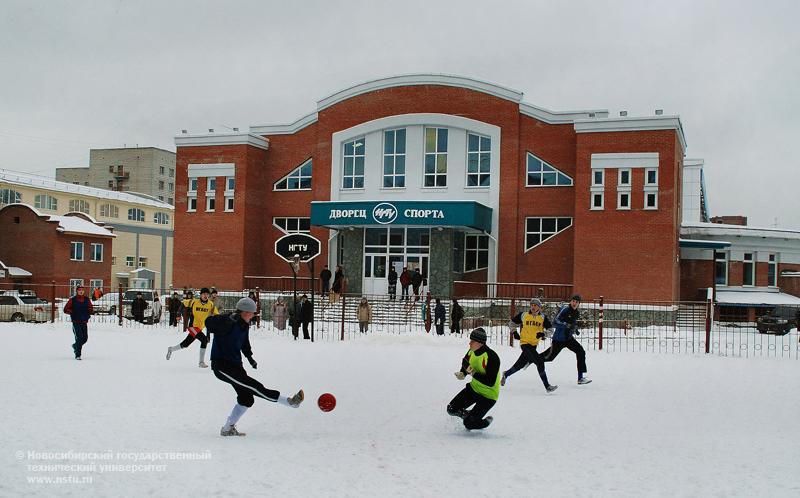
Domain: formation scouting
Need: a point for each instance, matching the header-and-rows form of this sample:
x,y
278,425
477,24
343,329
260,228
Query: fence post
x,y
120,306
600,324
709,311
342,326
258,308
53,301
513,310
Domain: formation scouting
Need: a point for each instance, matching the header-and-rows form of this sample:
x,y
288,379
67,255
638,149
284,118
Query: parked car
x,y
152,313
108,303
17,307
779,321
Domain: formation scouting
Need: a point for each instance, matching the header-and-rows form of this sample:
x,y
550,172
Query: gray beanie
x,y
537,302
246,304
478,335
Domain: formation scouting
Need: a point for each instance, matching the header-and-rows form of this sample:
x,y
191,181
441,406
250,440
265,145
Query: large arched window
x,y
8,196
44,201
78,205
136,214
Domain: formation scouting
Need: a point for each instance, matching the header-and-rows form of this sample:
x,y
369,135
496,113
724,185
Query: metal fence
x,y
605,326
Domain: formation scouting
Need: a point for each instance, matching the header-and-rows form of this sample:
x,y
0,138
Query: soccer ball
x,y
326,402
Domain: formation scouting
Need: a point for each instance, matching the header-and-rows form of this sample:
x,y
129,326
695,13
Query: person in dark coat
x,y
79,308
456,314
137,307
175,306
416,282
306,314
325,279
338,283
405,282
392,283
438,314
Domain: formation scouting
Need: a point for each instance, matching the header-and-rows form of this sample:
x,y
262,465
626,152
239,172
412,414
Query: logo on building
x,y
384,213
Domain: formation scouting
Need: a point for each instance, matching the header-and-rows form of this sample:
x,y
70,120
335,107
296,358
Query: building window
x,y
171,187
111,184
161,185
76,251
73,285
479,153
651,177
597,200
537,230
230,184
160,197
353,171
598,189
96,284
721,268
298,179
135,214
624,178
292,225
111,169
161,218
772,270
170,200
651,188
651,200
113,260
97,253
542,174
142,263
749,269
8,196
43,201
130,261
476,252
211,185
161,170
211,203
80,206
191,204
394,158
171,172
192,184
623,200
435,157
228,203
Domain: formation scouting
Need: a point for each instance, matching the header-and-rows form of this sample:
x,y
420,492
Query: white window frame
x,y
602,177
651,194
478,250
296,173
540,232
95,283
9,196
161,218
394,156
435,153
752,262
623,194
192,186
136,214
79,206
646,176
230,184
73,284
620,184
211,184
229,203
73,250
130,261
772,264
211,203
282,223
94,252
142,263
725,259
650,190
597,189
44,201
191,199
362,145
479,154
544,164
113,260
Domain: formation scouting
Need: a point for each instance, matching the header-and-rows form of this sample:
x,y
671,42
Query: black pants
x,y
173,319
139,317
326,287
404,290
473,419
245,386
455,327
550,353
305,330
416,292
190,339
81,333
393,291
529,355
440,328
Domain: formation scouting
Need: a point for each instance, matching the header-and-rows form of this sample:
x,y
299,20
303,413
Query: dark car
x,y
778,321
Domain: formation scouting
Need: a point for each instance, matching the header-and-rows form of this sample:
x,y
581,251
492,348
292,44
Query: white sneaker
x,y
584,380
294,401
231,432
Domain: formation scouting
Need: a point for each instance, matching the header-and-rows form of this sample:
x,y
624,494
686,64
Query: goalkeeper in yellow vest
x,y
200,309
483,365
534,323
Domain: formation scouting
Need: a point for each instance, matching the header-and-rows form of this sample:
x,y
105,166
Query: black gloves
x,y
540,335
253,363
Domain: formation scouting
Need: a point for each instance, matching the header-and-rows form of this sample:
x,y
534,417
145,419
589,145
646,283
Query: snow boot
x,y
231,431
551,388
294,401
584,380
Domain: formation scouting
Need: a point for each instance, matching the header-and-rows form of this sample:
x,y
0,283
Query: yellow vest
x,y
478,364
531,325
201,311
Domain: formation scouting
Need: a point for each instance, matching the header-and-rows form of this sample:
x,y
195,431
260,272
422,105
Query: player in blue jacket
x,y
566,323
231,340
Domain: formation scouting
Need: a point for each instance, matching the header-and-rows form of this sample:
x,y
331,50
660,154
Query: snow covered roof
x,y
36,181
699,227
76,224
15,271
756,298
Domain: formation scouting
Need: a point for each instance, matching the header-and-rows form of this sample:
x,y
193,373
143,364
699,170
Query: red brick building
x,y
455,176
70,250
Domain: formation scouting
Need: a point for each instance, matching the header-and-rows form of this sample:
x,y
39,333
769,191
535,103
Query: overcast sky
x,y
79,75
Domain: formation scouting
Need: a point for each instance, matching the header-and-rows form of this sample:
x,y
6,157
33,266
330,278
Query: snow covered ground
x,y
649,425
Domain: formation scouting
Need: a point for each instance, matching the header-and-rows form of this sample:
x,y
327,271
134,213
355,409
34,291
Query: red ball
x,y
326,402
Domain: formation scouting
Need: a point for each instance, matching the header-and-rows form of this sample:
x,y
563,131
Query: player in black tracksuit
x,y
566,323
231,340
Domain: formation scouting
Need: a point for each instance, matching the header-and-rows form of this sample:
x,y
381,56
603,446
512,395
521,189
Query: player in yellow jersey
x,y
199,309
534,323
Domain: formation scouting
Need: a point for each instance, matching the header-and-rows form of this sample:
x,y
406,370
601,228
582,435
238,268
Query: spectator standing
x,y
364,315
405,281
137,307
456,314
439,317
279,313
325,280
392,283
416,282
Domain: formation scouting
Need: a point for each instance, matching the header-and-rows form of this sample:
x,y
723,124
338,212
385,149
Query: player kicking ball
x,y
483,365
231,340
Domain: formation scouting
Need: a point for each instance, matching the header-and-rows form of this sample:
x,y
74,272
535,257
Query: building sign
x,y
468,214
301,244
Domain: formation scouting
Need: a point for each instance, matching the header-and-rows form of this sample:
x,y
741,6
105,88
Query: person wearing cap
x,y
200,310
231,341
534,323
483,365
79,308
566,323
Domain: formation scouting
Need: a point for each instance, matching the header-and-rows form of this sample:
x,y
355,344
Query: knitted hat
x,y
246,304
536,302
478,335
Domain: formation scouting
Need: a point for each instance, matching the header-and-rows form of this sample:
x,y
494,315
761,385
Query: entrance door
x,y
418,261
375,274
